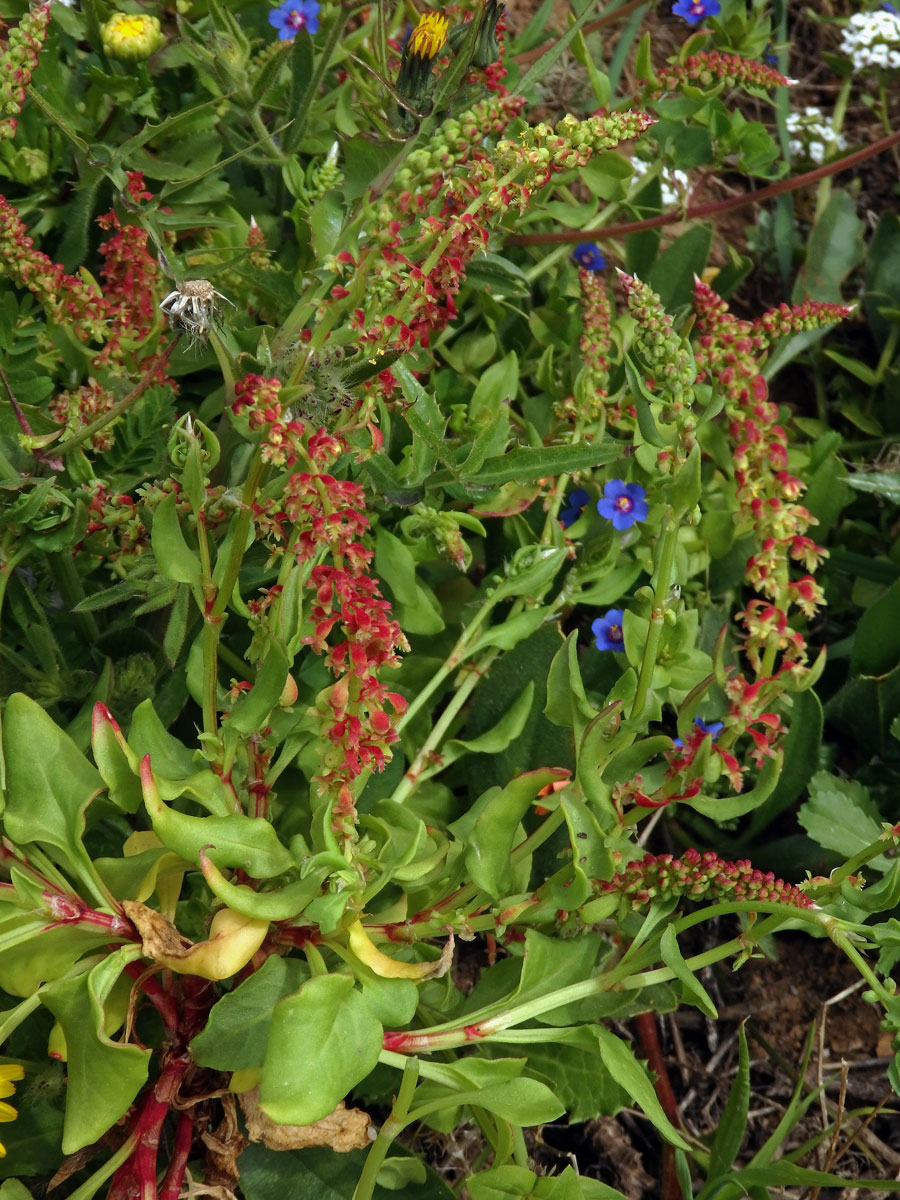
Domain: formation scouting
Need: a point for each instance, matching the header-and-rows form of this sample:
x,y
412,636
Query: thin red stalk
x,y
174,1176
161,1000
648,1038
712,209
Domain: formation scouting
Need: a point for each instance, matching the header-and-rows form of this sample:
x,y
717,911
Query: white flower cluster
x,y
674,185
872,39
811,135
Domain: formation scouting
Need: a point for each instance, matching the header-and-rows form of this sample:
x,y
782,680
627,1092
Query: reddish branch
x,y
174,1177
645,1028
136,1178
698,211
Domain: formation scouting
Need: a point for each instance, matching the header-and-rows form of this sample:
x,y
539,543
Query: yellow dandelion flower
x,y
429,36
8,1073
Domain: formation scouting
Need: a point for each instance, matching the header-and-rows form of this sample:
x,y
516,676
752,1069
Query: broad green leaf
x,y
322,1042
103,1076
492,839
47,792
876,645
175,558
234,1037
251,711
554,963
318,1173
841,816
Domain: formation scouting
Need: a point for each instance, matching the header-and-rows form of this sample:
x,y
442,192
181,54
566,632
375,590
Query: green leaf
x,y
876,644
841,816
236,840
694,991
883,274
103,1076
833,249
318,1173
322,1042
525,464
251,712
175,558
672,277
494,834
877,483
47,792
234,1037
551,964
505,731
620,1061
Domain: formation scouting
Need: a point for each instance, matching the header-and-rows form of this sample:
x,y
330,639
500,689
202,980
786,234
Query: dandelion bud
x,y
414,80
131,38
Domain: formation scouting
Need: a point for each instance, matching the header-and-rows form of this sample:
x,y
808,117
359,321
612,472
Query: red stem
x,y
174,1176
136,1178
161,1000
645,1028
712,209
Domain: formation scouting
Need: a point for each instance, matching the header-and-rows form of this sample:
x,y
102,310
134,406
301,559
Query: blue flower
x,y
714,727
695,11
295,15
623,503
891,8
608,630
769,57
588,256
576,502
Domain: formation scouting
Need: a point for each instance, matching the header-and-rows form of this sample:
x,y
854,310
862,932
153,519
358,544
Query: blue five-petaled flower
x,y
294,15
608,630
695,11
623,503
588,256
575,506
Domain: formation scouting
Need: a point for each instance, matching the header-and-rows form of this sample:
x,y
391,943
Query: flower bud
x,y
131,38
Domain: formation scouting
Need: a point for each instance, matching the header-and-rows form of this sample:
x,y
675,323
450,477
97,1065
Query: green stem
x,y
456,656
837,122
210,647
668,541
87,432
389,1131
72,591
411,779
241,529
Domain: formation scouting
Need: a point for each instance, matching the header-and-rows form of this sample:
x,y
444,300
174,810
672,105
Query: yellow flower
x,y
131,38
7,1113
428,37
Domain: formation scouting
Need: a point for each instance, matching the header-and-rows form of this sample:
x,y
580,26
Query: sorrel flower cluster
x,y
316,517
421,239
697,876
587,404
17,64
712,67
729,352
66,299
